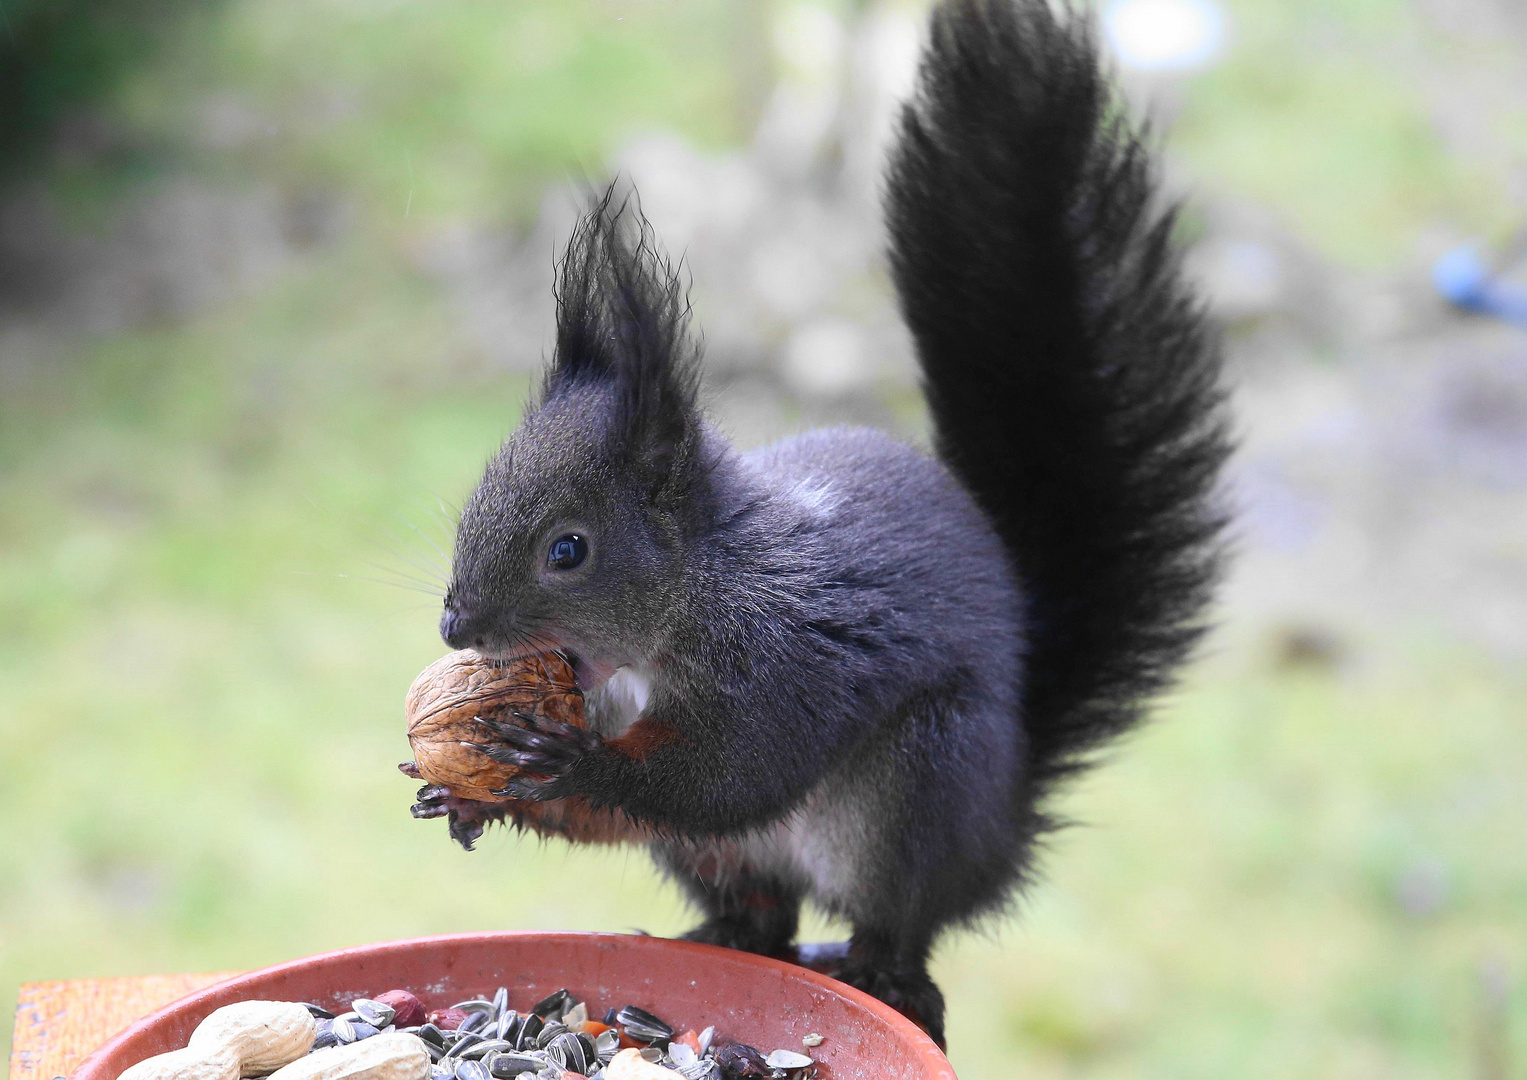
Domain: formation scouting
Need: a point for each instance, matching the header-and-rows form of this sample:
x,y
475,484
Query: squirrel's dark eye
x,y
567,552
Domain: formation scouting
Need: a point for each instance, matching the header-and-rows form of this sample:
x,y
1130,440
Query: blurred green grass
x,y
1294,873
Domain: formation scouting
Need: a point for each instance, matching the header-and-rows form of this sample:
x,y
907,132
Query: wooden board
x,y
59,1023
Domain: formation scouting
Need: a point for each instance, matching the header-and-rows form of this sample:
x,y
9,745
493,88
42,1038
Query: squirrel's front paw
x,y
545,751
467,818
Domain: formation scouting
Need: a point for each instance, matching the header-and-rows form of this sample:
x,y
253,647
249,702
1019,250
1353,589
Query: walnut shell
x,y
448,696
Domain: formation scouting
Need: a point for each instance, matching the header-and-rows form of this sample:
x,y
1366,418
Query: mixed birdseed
x,y
555,1039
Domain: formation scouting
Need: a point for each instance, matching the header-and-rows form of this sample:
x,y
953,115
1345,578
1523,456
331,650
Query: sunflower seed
x,y
318,1011
787,1059
475,1021
467,1041
325,1035
500,1000
487,1046
703,1069
471,1070
430,1034
681,1055
507,1026
706,1038
608,1045
553,1005
508,1066
552,1029
530,1027
374,1013
363,1030
342,1030
573,1051
444,1071
474,1005
642,1025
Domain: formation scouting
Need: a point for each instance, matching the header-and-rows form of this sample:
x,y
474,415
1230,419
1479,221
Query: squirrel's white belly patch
x,y
818,845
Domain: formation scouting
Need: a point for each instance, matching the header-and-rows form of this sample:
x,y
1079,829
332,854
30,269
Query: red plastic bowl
x,y
765,1003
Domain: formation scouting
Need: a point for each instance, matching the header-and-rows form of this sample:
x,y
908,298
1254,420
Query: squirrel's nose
x,y
460,630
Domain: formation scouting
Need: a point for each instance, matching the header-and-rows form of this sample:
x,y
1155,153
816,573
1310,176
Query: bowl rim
x,y
935,1064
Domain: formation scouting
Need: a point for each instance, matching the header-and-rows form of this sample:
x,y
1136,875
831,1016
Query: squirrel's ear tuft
x,y
623,324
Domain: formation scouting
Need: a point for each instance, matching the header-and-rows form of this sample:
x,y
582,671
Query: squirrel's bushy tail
x,y
1072,378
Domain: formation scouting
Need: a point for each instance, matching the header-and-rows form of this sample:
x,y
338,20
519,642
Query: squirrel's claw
x,y
465,829
530,789
544,751
434,801
540,745
500,754
499,727
466,818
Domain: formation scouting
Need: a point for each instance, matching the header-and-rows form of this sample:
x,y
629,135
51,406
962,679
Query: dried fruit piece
x,y
448,696
408,1011
448,1019
741,1060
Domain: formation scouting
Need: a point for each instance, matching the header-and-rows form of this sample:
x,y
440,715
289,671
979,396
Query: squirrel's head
x,y
578,535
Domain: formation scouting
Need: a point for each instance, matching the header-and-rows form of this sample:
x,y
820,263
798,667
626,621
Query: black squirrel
x,y
837,668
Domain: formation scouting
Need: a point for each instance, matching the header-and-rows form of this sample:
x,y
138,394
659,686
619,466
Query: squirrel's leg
x,y
892,965
744,909
756,919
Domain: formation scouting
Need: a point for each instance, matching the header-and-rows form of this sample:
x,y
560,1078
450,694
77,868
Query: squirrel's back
x,y
883,535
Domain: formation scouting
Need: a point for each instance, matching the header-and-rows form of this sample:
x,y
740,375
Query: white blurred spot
x,y
827,357
809,40
1244,280
1164,35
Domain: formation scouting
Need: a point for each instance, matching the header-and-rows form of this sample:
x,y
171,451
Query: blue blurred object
x,y
1464,279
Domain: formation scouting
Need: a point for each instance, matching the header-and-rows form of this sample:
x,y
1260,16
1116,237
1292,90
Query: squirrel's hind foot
x,y
754,932
912,993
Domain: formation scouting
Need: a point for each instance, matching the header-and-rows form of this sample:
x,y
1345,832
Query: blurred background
x,y
273,281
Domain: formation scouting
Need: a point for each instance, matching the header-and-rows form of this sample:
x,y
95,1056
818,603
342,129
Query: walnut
x,y
448,696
